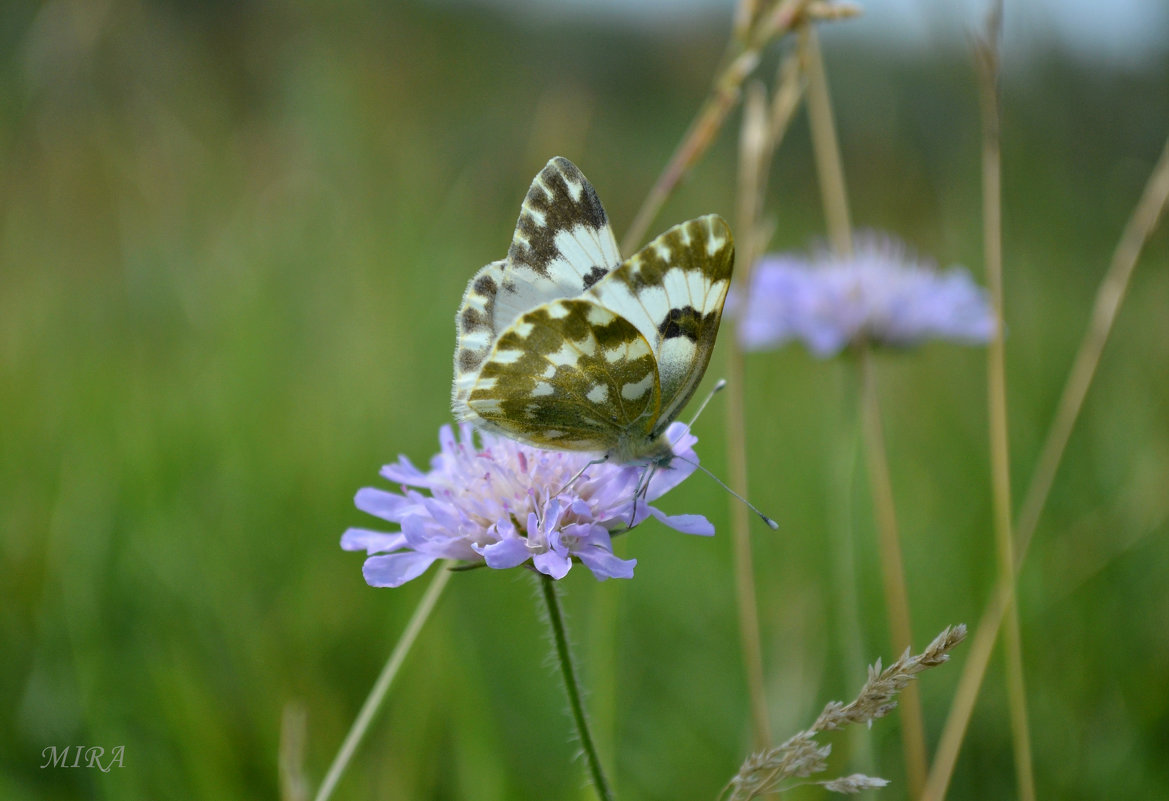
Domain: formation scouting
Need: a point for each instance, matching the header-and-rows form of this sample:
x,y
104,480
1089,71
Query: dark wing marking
x,y
570,375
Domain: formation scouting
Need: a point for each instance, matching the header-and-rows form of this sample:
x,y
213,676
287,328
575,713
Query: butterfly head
x,y
655,451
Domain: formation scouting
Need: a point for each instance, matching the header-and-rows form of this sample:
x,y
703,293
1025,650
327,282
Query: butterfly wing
x,y
673,291
562,245
569,374
474,332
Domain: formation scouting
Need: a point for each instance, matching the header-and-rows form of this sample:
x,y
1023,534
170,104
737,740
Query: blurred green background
x,y
232,241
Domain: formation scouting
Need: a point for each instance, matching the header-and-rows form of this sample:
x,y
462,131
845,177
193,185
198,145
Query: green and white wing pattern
x,y
562,245
562,345
673,291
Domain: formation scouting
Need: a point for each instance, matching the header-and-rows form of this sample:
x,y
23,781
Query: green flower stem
x,y
892,568
572,687
382,686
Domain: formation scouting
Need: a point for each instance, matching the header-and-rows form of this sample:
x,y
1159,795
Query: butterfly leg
x,y
580,473
641,490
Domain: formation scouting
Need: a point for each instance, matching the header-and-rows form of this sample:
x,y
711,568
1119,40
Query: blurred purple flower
x,y
495,505
881,294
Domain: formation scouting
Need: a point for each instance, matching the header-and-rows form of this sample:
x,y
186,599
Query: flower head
x,y
881,294
504,504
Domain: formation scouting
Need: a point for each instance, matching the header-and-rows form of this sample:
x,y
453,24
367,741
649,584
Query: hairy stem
x,y
572,687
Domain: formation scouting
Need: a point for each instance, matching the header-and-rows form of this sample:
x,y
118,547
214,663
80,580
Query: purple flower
x,y
497,504
881,295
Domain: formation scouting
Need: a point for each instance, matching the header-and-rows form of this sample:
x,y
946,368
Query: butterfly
x,y
564,345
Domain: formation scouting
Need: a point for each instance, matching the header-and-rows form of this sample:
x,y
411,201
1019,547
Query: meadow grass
x,y
231,247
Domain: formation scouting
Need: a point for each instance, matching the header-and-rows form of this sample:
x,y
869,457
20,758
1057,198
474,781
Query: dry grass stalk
x,y
801,756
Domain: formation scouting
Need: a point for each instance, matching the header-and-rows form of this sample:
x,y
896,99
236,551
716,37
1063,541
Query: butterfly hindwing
x,y
568,374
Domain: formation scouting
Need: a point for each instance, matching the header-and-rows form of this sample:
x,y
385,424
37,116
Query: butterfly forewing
x,y
475,332
673,291
568,374
562,243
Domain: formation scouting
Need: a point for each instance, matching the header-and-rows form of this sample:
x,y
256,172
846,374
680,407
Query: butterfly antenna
x,y
769,521
722,382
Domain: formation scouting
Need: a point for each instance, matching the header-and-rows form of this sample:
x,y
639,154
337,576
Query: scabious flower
x,y
504,504
881,294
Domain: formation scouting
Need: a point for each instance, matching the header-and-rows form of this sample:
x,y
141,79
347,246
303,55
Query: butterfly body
x,y
564,345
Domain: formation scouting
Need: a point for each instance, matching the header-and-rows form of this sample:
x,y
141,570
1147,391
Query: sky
x,y
1121,33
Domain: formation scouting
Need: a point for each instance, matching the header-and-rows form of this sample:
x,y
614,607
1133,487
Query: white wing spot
x,y
635,391
579,247
541,389
599,393
477,340
566,355
557,310
507,356
613,355
598,316
537,216
678,356
715,244
476,301
677,288
485,406
655,298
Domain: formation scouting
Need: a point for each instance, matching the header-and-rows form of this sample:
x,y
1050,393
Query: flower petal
x,y
510,552
381,503
404,472
687,524
606,565
552,564
396,569
362,539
